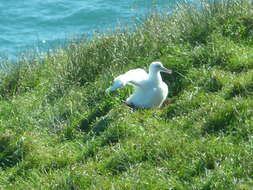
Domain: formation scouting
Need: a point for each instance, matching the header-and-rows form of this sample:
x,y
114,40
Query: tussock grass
x,y
58,129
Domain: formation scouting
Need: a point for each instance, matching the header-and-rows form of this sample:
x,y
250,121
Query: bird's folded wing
x,y
133,77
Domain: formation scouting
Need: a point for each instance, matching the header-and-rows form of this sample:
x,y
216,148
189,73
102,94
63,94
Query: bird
x,y
149,89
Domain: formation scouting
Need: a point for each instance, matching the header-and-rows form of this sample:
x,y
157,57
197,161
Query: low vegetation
x,y
59,130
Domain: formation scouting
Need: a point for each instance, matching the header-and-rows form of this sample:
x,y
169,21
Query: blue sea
x,y
41,25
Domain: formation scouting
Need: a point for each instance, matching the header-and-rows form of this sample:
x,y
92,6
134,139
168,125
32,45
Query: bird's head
x,y
158,67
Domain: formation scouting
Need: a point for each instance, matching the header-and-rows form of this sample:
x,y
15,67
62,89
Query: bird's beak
x,y
163,69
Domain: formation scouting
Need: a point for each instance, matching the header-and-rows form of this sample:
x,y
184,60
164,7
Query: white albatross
x,y
149,89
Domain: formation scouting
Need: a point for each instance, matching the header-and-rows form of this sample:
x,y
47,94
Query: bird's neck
x,y
155,76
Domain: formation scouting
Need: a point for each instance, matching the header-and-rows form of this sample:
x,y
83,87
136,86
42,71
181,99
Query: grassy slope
x,y
60,131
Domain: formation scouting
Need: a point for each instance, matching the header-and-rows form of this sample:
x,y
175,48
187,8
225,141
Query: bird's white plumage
x,y
133,76
149,89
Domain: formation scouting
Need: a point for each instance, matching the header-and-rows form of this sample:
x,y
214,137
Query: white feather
x,y
149,89
133,77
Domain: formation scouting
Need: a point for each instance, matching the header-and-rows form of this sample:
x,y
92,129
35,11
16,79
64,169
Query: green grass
x,y
59,130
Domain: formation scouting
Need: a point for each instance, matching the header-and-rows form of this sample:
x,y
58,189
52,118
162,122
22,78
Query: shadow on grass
x,y
86,124
11,151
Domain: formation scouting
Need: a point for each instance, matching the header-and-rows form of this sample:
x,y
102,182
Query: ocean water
x,y
39,25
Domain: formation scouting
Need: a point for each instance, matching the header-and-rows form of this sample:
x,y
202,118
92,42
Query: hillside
x,y
59,130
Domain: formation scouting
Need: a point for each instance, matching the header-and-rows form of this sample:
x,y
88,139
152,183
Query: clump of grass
x,y
12,150
220,119
241,86
59,130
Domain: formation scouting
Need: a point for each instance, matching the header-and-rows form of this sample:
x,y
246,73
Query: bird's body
x,y
149,89
150,93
